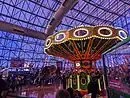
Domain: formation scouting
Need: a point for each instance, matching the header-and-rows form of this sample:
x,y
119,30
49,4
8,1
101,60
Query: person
x,y
13,83
20,82
64,81
78,94
62,94
93,85
17,83
58,73
71,92
3,86
9,81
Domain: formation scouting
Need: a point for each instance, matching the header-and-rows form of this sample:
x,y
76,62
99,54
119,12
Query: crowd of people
x,y
69,93
48,75
37,77
120,73
93,88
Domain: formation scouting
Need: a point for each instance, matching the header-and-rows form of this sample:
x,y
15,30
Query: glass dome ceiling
x,y
37,14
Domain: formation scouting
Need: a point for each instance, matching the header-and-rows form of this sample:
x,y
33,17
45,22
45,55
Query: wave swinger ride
x,y
83,46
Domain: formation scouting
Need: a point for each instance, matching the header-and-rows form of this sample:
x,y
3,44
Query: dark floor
x,y
39,92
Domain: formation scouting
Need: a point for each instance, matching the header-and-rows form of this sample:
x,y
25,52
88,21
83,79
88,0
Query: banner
x,y
119,78
115,84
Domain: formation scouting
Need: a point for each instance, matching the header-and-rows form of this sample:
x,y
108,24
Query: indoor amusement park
x,y
64,48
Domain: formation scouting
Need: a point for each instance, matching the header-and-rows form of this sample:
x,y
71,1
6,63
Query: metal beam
x,y
100,7
105,75
118,45
125,2
119,54
59,14
11,28
89,15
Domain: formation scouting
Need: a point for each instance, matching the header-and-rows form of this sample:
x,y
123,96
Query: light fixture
x,y
48,42
122,34
81,29
77,64
105,28
83,79
57,39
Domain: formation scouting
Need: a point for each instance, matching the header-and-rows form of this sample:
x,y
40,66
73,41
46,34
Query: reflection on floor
x,y
40,92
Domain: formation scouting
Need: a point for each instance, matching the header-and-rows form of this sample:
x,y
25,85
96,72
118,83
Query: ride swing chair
x,y
83,46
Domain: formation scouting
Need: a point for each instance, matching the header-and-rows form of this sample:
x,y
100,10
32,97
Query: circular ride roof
x,y
84,42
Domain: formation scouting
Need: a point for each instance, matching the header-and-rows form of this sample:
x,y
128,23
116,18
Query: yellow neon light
x,y
88,76
99,84
82,80
78,83
71,81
